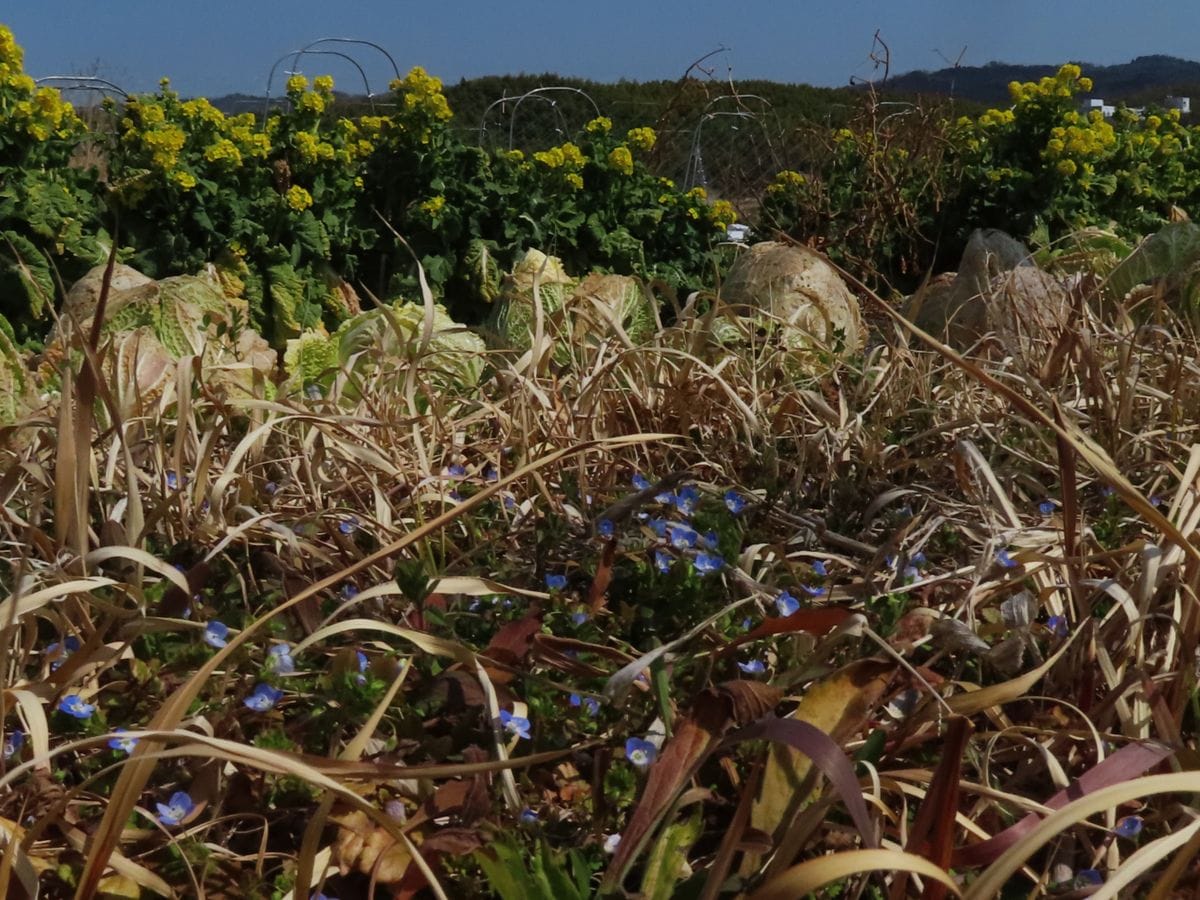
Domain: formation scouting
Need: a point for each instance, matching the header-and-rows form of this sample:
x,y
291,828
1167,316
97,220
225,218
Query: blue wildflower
x,y
754,667
686,499
1129,827
1005,560
911,573
360,677
279,659
74,705
264,698
172,481
349,591
1046,507
710,540
124,744
708,562
556,582
490,473
348,525
663,560
640,753
528,816
455,496
517,725
270,487
1058,626
590,704
664,497
917,559
611,842
786,603
821,569
1155,501
680,536
175,810
579,617
735,502
814,590
605,528
216,634
13,741
457,471
510,502
641,482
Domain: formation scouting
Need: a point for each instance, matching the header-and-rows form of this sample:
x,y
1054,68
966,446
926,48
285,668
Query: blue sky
x,y
217,46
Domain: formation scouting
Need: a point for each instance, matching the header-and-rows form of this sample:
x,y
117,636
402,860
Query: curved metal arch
x,y
84,83
694,173
535,94
295,57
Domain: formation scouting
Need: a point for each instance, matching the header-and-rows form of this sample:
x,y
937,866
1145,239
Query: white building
x,y
1183,104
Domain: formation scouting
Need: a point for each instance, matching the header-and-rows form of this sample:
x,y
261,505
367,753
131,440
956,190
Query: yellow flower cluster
x,y
40,113
297,84
567,156
642,139
1067,82
1089,141
433,206
599,125
298,198
310,149
183,179
621,159
722,214
323,84
201,110
574,181
164,143
785,182
422,92
224,152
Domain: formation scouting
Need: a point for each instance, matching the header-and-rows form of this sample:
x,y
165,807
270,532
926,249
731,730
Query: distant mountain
x,y
1145,79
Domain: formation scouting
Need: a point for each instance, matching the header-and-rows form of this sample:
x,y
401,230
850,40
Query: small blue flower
x,y
528,816
1058,626
556,582
663,561
348,525
821,569
360,676
172,481
264,698
74,705
321,896
890,561
640,753
910,573
786,603
1005,560
710,540
917,559
124,744
349,591
13,741
735,502
490,473
279,659
611,842
216,634
664,497
270,487
457,471
1129,827
746,623
1156,501
175,810
517,725
685,500
579,617
605,528
590,704
455,496
641,482
680,536
814,590
708,562
754,667
1046,507
510,502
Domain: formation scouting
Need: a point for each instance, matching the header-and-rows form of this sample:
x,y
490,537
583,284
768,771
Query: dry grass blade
x,y
811,876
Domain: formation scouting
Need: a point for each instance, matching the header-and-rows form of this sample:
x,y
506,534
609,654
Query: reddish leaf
x,y
935,818
817,621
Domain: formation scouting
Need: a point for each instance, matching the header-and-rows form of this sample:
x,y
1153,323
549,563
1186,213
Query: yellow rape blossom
x,y
642,139
185,180
574,181
224,152
323,84
297,84
551,159
621,159
433,206
298,198
599,125
1066,167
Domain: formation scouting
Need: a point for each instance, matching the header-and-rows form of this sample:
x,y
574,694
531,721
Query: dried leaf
x,y
363,846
